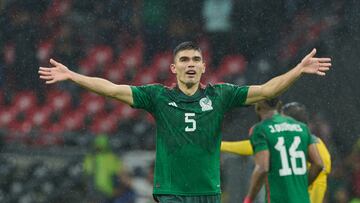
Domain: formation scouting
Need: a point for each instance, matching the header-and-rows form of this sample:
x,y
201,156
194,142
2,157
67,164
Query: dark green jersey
x,y
287,141
188,135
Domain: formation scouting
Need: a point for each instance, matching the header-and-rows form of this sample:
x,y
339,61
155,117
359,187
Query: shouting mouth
x,y
191,73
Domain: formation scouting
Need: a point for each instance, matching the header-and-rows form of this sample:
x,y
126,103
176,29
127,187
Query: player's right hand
x,y
247,200
57,72
312,65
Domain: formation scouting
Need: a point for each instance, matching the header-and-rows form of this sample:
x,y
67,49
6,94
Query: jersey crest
x,y
206,104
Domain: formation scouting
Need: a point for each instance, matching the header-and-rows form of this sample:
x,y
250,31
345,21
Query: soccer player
x,y
297,111
188,118
282,147
318,188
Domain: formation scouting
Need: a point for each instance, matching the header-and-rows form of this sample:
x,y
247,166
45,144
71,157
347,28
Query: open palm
x,y
312,65
58,72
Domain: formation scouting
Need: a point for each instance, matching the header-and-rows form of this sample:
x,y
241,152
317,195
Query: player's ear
x,y
173,68
203,68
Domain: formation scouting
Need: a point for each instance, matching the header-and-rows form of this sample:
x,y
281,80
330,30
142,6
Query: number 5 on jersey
x,y
190,122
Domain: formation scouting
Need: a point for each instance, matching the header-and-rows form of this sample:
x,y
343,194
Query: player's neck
x,y
268,114
188,90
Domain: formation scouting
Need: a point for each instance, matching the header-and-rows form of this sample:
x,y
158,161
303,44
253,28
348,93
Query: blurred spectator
x,y
217,25
341,195
107,179
185,21
155,27
257,25
352,20
67,45
23,33
355,200
337,184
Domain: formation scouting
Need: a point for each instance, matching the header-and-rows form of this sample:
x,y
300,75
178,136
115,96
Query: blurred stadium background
x,y
45,131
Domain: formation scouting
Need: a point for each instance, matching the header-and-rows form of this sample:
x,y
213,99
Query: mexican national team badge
x,y
206,104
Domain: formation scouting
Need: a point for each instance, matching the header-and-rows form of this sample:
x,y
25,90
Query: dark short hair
x,y
186,46
270,104
297,111
273,103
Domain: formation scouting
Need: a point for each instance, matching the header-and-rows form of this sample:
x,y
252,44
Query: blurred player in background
x,y
188,118
318,188
282,147
106,177
299,112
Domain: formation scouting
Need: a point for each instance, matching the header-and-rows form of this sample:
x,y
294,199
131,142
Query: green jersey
x,y
287,141
188,135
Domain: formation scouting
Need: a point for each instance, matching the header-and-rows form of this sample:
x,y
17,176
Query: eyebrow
x,y
186,57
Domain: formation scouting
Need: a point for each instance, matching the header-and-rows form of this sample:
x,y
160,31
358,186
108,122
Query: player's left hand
x,y
311,65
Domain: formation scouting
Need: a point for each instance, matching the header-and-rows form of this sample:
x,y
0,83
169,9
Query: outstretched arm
x,y
58,72
276,86
238,147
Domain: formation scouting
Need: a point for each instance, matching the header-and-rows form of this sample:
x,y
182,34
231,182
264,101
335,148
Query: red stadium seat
x,y
73,121
44,51
232,64
114,73
146,77
131,58
59,100
7,116
162,61
92,103
124,112
106,123
24,101
87,66
101,55
40,117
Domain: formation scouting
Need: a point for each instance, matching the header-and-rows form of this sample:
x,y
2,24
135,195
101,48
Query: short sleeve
x,y
314,139
234,95
258,140
143,97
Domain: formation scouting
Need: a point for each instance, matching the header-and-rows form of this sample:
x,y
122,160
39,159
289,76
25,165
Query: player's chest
x,y
204,105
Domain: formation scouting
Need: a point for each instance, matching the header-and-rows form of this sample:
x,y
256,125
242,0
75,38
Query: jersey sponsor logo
x,y
285,127
206,104
172,104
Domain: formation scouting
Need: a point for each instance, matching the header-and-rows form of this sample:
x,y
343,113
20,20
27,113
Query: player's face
x,y
188,67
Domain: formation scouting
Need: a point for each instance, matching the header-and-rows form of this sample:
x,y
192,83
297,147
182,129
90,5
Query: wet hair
x,y
273,103
186,46
297,111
